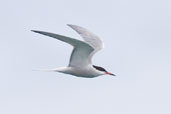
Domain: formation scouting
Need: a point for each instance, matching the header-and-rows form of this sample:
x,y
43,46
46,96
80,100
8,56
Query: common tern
x,y
80,63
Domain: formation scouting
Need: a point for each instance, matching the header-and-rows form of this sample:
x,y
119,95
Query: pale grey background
x,y
137,49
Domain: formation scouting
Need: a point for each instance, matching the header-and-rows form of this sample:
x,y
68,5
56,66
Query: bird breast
x,y
87,72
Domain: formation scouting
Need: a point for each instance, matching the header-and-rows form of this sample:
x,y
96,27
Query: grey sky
x,y
137,41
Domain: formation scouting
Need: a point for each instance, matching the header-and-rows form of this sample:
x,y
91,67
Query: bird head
x,y
101,69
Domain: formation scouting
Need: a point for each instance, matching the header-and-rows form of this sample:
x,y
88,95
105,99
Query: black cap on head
x,y
99,68
103,70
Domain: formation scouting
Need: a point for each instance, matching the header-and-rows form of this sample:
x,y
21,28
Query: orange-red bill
x,y
110,73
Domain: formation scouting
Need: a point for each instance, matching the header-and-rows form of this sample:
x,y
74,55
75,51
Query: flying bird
x,y
80,63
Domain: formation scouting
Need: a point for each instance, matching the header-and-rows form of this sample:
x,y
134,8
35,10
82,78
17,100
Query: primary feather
x,y
81,50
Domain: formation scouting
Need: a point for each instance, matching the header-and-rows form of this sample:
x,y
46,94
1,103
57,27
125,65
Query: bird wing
x,y
89,37
80,53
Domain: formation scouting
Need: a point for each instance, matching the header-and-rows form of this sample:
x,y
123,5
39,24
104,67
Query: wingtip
x,y
35,31
71,25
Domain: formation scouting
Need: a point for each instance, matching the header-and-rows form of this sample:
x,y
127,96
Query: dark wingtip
x,y
40,32
70,25
34,31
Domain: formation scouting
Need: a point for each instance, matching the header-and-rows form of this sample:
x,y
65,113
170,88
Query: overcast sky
x,y
137,39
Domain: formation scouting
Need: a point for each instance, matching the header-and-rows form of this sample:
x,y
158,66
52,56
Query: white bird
x,y
80,63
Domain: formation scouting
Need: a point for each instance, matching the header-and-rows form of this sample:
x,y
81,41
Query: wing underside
x,y
81,50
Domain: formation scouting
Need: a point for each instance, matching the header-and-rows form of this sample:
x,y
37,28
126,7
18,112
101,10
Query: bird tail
x,y
59,69
45,70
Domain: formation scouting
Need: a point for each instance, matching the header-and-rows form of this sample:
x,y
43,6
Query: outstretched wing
x,y
89,37
80,53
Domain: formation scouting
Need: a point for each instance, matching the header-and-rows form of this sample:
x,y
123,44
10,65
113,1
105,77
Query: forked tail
x,y
60,69
45,70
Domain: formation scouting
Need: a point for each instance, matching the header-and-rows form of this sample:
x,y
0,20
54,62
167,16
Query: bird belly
x,y
86,72
83,72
